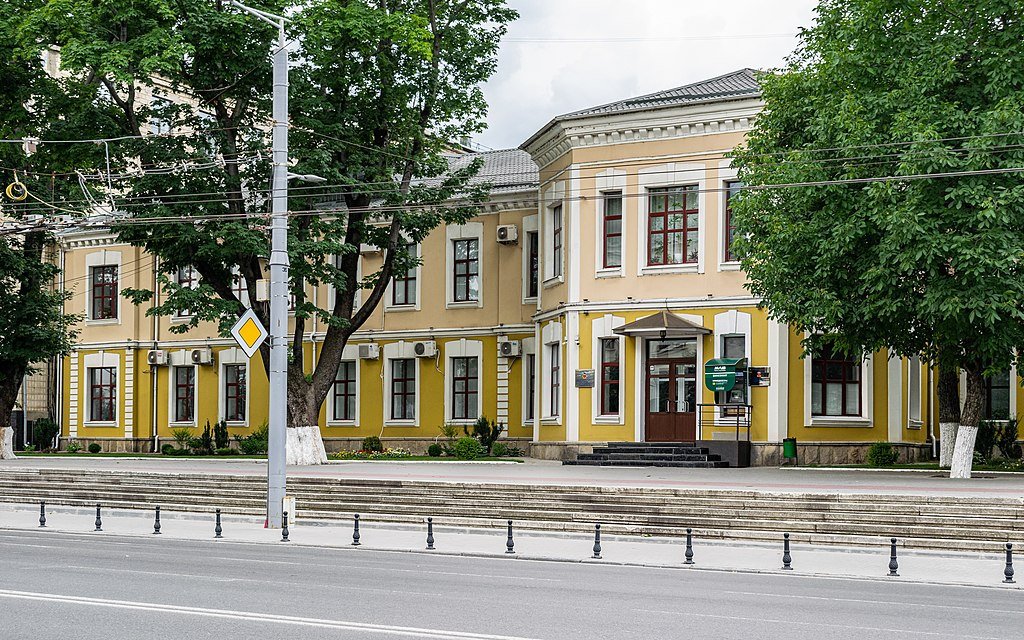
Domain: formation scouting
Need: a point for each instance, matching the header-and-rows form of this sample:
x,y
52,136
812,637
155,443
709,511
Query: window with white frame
x,y
533,263
556,240
611,230
610,376
235,392
466,270
403,389
343,392
673,230
465,388
732,189
239,286
161,116
403,285
184,385
103,280
555,372
835,384
530,373
914,391
187,278
102,393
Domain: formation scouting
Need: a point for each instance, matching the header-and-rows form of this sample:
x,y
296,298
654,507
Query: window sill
x,y
608,420
669,269
553,281
611,272
530,300
915,425
729,266
838,421
237,423
462,422
400,423
180,319
551,421
100,424
182,423
99,323
401,308
342,423
468,304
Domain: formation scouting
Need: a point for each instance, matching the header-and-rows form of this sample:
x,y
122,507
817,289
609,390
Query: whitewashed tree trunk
x,y
947,441
963,454
305,446
7,444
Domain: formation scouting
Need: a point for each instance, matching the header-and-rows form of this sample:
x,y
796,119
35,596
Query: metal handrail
x,y
742,416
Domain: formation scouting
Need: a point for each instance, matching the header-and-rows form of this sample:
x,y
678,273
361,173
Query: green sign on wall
x,y
720,373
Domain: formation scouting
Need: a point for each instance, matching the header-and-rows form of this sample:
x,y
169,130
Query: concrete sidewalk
x,y
543,472
974,569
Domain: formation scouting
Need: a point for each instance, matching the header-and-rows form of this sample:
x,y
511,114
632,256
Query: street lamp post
x,y
278,439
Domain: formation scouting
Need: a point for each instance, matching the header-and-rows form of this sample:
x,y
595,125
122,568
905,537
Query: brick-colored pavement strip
x,y
542,472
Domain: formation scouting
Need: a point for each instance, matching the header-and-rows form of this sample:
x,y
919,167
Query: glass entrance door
x,y
671,387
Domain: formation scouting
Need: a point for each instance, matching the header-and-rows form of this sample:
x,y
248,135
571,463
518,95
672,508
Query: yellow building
x,y
581,307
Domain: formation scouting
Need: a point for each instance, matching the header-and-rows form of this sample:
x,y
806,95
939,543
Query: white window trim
x,y
463,348
178,316
610,180
96,361
603,329
237,273
332,292
531,225
468,231
866,417
672,174
914,395
233,355
551,336
732,323
529,346
388,294
172,389
349,354
399,351
553,196
726,175
104,258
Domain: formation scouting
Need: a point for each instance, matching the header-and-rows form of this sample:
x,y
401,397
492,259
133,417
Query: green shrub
x,y
29,448
435,450
95,447
221,439
979,459
167,449
255,443
986,439
486,432
73,447
1006,440
499,450
882,454
226,451
372,444
181,436
44,432
514,451
468,448
179,452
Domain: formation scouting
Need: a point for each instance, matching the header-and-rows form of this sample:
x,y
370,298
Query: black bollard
x,y
355,531
597,542
787,560
217,530
689,547
156,523
510,545
1008,571
430,533
42,513
284,527
893,565
99,523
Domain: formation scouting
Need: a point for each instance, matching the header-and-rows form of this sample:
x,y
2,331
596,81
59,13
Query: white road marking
x,y
252,616
903,603
851,627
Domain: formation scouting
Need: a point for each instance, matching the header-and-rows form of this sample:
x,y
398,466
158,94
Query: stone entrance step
x,y
650,454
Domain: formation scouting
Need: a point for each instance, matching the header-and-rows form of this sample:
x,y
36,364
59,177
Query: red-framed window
x,y
403,389
466,281
533,255
104,292
234,392
732,189
556,241
555,358
609,376
102,394
673,233
344,392
612,229
531,385
403,287
835,384
184,394
465,388
186,278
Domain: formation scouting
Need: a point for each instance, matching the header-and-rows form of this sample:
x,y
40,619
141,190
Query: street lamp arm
x,y
270,18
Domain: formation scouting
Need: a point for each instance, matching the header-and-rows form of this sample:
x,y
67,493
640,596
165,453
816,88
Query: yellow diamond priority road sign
x,y
249,333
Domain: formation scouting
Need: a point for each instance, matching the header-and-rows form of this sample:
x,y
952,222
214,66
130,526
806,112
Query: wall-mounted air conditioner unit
x,y
201,356
370,351
425,349
510,349
508,234
157,357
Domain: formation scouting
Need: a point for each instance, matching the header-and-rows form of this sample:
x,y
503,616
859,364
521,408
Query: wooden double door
x,y
671,390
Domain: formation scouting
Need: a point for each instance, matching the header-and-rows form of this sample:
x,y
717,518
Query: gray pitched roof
x,y
507,170
737,84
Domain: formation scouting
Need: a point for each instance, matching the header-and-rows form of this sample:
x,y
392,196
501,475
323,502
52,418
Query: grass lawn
x,y
64,454
922,466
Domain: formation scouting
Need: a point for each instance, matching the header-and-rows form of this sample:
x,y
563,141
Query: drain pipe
x,y
154,369
931,418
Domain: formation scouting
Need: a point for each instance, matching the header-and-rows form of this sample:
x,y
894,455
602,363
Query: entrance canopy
x,y
662,325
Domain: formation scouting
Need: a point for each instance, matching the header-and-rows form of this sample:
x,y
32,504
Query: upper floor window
x,y
533,249
187,278
104,292
403,389
466,267
835,384
160,121
184,393
997,396
345,391
234,392
672,226
732,189
102,394
556,241
612,230
239,287
609,376
465,388
403,289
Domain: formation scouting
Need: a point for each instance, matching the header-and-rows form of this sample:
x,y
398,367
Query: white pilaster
x,y
572,363
73,395
778,389
894,387
129,392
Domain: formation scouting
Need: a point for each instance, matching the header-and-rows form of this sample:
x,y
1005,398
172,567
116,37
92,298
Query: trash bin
x,y
789,448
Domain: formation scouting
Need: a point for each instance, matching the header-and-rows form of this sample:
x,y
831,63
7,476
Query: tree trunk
x,y
8,394
305,444
963,452
949,412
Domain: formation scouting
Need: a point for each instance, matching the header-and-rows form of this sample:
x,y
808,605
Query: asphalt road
x,y
56,586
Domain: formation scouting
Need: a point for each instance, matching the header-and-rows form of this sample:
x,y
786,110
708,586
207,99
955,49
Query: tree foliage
x,y
932,266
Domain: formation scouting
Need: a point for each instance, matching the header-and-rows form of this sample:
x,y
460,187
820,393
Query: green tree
x,y
930,266
379,90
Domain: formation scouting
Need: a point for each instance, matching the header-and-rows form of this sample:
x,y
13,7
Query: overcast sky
x,y
537,80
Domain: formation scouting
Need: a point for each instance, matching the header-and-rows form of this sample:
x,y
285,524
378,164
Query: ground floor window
x,y
403,389
465,388
997,396
609,376
344,392
555,362
102,394
835,384
531,385
234,392
184,394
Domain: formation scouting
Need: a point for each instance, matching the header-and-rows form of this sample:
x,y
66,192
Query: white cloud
x,y
538,80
